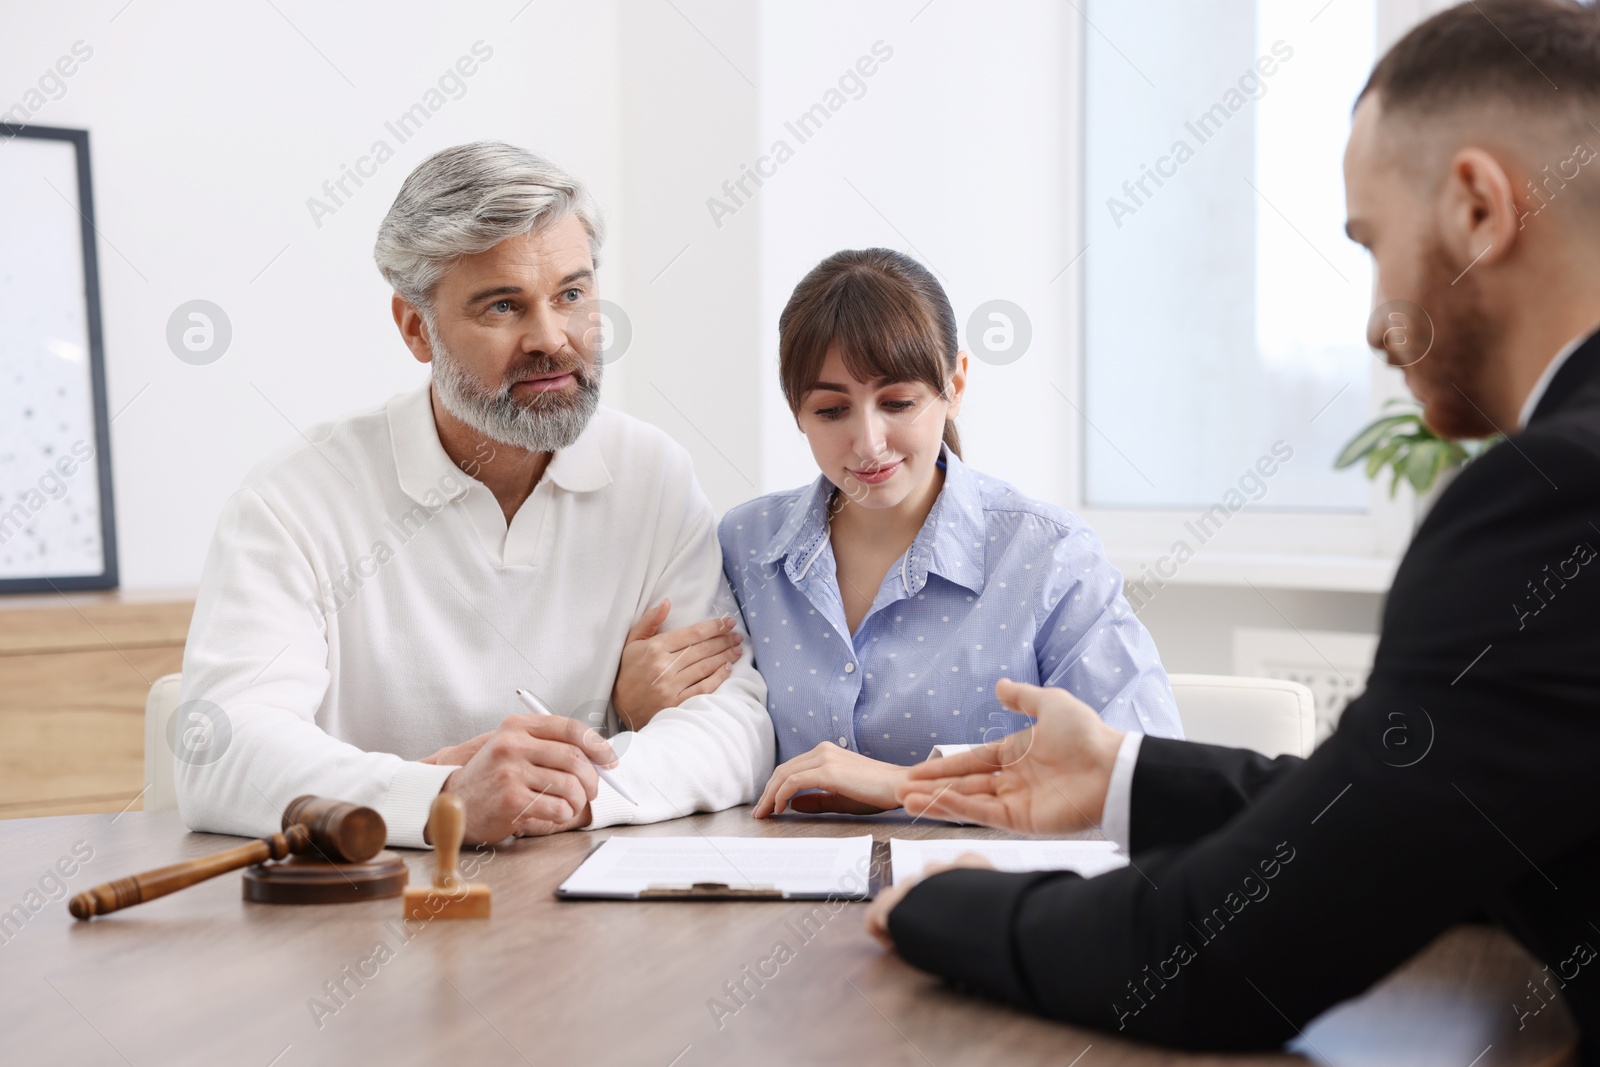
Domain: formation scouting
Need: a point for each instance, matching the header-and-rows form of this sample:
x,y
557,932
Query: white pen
x,y
535,705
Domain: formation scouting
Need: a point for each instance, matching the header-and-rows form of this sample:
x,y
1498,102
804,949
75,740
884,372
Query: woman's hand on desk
x,y
852,784
890,896
662,670
1048,779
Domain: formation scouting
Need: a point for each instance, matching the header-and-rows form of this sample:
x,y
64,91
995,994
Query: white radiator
x,y
1334,665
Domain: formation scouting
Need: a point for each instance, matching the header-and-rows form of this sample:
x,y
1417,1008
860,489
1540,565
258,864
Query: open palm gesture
x,y
1048,779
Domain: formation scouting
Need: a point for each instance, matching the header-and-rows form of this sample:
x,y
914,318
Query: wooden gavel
x,y
329,829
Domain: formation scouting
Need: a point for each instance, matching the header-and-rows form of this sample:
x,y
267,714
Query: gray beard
x,y
547,423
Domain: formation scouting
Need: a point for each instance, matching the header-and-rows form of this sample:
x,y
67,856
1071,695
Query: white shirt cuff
x,y
608,808
1116,817
406,805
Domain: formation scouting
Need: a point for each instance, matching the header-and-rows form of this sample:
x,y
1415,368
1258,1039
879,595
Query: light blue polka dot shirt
x,y
995,585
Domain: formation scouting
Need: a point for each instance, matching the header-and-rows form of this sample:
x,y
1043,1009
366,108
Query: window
x,y
1224,309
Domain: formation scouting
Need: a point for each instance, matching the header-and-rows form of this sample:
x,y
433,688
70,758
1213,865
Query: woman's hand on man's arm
x,y
662,670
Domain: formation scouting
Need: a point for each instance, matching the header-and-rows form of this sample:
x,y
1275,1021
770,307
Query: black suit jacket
x,y
1465,781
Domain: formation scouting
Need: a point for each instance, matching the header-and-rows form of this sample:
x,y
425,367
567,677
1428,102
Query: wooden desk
x,y
202,977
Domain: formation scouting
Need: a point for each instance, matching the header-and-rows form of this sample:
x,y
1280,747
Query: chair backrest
x,y
1269,715
161,792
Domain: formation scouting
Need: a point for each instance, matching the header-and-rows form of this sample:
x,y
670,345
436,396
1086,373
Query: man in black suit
x,y
1465,781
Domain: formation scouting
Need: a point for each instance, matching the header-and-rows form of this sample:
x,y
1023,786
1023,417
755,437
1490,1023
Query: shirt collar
x,y
1543,384
803,531
581,466
425,468
951,542
427,474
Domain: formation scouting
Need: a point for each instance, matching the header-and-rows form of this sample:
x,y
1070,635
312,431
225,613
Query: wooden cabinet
x,y
74,671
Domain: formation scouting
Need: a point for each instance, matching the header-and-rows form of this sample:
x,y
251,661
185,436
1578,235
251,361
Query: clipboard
x,y
863,858
715,891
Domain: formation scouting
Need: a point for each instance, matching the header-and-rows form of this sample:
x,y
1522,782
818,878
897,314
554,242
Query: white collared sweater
x,y
364,604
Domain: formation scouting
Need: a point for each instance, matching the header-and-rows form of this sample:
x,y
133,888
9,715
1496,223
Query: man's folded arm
x,y
714,750
258,652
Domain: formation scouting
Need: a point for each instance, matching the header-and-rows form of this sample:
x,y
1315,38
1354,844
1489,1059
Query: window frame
x,y
1331,550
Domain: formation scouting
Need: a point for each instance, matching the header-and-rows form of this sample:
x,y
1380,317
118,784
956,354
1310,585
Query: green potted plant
x,y
1404,444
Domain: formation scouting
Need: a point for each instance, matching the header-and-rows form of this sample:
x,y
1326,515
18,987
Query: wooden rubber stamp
x,y
450,896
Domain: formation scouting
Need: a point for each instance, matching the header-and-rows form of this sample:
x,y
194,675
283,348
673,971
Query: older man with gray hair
x,y
374,596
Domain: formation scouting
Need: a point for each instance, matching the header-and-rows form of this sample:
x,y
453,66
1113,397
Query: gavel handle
x,y
138,888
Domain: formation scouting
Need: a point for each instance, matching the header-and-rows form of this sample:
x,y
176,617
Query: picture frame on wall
x,y
57,526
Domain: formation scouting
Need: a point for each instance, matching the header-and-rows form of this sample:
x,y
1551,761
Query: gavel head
x,y
334,829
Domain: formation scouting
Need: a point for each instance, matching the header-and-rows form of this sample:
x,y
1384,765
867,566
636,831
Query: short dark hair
x,y
1539,53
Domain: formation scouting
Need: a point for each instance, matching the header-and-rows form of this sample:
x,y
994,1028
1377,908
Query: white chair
x,y
161,793
1269,715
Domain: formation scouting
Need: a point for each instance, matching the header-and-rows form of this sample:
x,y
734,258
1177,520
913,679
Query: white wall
x,y
212,125
1193,624
951,150
688,114
952,154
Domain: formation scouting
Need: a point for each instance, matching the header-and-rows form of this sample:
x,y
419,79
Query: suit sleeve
x,y
1184,790
1465,768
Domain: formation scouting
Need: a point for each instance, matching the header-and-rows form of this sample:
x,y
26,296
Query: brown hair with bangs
x,y
889,316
